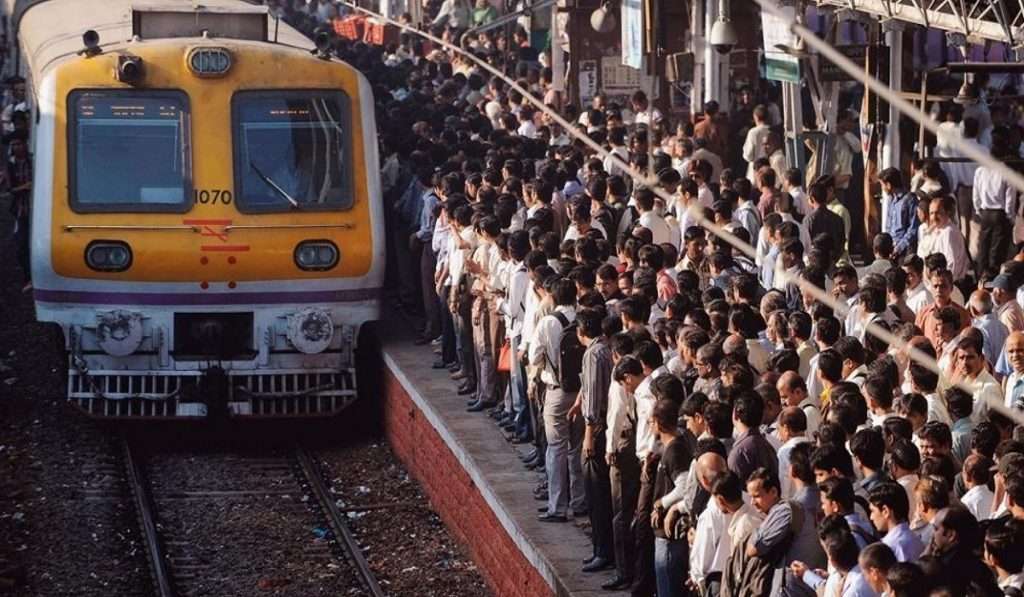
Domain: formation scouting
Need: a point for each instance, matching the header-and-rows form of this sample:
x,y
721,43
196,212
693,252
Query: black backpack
x,y
570,356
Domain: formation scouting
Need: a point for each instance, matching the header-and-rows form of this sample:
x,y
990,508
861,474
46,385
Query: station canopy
x,y
995,20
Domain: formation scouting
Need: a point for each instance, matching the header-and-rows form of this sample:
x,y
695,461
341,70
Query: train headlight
x,y
310,330
209,62
119,333
108,256
316,255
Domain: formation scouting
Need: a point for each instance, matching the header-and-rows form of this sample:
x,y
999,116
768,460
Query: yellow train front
x,y
207,227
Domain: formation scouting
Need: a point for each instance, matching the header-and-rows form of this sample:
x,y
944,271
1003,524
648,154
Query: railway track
x,y
234,523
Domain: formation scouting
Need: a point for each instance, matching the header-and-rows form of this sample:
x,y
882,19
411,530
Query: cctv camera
x,y
723,36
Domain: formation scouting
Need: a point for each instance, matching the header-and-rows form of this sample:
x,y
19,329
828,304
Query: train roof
x,y
49,31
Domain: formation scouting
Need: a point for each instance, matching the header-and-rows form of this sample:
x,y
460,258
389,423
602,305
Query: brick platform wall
x,y
455,497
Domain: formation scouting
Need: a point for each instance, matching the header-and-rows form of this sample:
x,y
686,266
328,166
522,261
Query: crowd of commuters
x,y
725,432
16,176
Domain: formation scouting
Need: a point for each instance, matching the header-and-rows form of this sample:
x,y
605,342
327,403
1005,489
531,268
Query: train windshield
x,y
291,150
128,151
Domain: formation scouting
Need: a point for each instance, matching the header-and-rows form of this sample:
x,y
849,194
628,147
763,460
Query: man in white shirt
x,y
648,450
969,370
918,295
1013,395
995,205
792,431
649,219
617,140
776,157
976,476
753,146
711,544
643,112
727,490
1004,544
942,236
513,307
562,459
624,470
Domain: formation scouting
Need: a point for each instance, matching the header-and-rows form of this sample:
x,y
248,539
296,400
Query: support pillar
x,y
793,122
891,153
715,85
698,41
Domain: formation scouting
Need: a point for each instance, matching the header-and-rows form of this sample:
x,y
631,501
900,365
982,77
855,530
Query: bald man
x,y
1014,384
793,392
711,544
984,318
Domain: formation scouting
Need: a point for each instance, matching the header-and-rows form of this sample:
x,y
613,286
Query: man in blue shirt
x,y
900,212
890,508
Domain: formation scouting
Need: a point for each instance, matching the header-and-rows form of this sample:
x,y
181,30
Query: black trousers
x,y
625,489
644,581
597,484
21,246
994,241
431,302
535,399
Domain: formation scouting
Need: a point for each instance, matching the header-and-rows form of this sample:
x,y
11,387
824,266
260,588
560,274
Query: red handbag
x,y
505,358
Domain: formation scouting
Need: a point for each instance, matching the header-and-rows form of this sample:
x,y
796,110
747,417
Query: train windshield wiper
x,y
270,183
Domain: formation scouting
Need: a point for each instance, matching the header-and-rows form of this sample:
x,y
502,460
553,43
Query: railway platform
x,y
475,480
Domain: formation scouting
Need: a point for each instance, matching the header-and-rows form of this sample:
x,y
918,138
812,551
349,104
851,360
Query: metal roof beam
x,y
979,21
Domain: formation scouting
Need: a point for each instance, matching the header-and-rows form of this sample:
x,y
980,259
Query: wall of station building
x,y
454,495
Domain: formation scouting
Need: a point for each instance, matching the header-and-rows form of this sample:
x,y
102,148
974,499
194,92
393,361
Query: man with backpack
x,y
557,352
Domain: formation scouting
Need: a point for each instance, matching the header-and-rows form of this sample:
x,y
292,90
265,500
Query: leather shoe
x,y
453,367
531,455
458,375
440,364
466,390
422,340
479,406
617,584
580,513
510,427
589,559
598,564
522,439
552,518
541,497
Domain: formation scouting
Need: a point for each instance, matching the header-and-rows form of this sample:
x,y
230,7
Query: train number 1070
x,y
212,196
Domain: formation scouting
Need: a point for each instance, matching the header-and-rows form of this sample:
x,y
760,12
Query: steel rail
x,y
147,519
337,521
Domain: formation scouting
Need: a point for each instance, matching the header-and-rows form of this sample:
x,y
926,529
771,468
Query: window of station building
x,y
128,151
292,151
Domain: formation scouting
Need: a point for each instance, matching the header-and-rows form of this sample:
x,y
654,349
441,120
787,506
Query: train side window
x,y
292,150
128,151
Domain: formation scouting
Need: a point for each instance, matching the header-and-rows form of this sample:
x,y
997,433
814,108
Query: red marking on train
x,y
232,285
230,248
197,222
204,285
221,235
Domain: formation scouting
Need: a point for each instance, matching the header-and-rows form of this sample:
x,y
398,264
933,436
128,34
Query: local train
x,y
206,224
